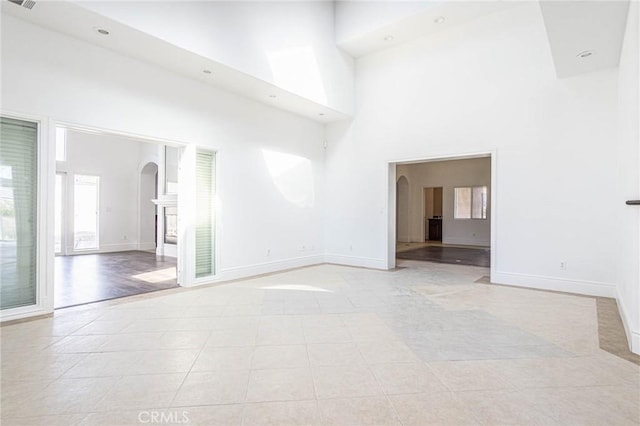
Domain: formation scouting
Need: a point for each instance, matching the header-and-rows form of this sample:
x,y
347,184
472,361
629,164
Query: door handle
x,y
633,202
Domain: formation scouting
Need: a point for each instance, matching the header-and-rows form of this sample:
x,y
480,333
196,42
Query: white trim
x,y
111,132
186,219
493,260
248,271
391,199
46,214
23,312
105,248
635,342
64,225
391,216
156,140
590,288
170,250
365,262
633,337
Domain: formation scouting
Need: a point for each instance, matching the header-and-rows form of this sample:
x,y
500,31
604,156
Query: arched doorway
x,y
147,209
402,210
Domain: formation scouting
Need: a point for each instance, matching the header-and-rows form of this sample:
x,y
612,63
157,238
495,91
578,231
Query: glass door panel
x,y
18,212
86,195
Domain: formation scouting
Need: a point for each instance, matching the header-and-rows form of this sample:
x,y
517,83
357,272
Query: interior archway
x,y
148,210
402,209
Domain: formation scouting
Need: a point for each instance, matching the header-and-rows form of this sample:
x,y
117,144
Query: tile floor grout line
x,y
171,404
606,377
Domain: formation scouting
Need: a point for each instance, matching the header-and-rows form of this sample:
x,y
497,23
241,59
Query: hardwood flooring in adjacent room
x,y
473,256
94,277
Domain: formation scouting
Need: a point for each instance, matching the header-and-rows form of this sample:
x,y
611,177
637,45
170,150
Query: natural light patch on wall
x,y
292,175
296,69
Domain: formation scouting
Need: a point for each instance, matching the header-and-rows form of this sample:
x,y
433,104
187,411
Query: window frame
x,y
471,188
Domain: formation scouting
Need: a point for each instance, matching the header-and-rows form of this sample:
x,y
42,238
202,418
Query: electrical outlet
x,y
268,252
563,265
124,237
350,248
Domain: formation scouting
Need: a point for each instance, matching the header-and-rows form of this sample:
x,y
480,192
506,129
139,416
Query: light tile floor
x,y
324,345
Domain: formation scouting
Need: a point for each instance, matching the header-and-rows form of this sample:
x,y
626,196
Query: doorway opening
x,y
432,198
86,212
443,210
115,216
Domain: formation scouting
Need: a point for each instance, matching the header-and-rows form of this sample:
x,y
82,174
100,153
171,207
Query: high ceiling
x,y
584,36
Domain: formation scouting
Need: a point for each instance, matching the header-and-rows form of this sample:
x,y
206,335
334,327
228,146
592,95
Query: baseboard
x,y
467,241
364,262
633,337
106,248
27,312
590,288
635,342
147,246
268,267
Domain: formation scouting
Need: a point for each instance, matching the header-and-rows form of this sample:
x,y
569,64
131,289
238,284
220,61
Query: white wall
x,y
489,85
448,175
627,186
117,162
72,81
289,44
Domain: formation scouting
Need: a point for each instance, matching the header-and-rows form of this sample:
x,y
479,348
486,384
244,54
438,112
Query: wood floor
x,y
94,277
453,255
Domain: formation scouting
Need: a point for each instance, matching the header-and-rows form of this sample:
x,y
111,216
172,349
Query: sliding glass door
x,y
18,212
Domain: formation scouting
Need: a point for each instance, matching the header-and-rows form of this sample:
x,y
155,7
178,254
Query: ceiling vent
x,y
24,3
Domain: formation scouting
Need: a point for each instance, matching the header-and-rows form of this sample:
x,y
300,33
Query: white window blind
x,y
18,212
205,214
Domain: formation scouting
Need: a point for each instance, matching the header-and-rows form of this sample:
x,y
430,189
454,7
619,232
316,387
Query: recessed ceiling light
x,y
388,38
439,20
101,31
206,71
585,54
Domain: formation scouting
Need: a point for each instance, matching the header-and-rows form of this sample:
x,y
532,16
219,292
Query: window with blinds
x,y
205,214
18,212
